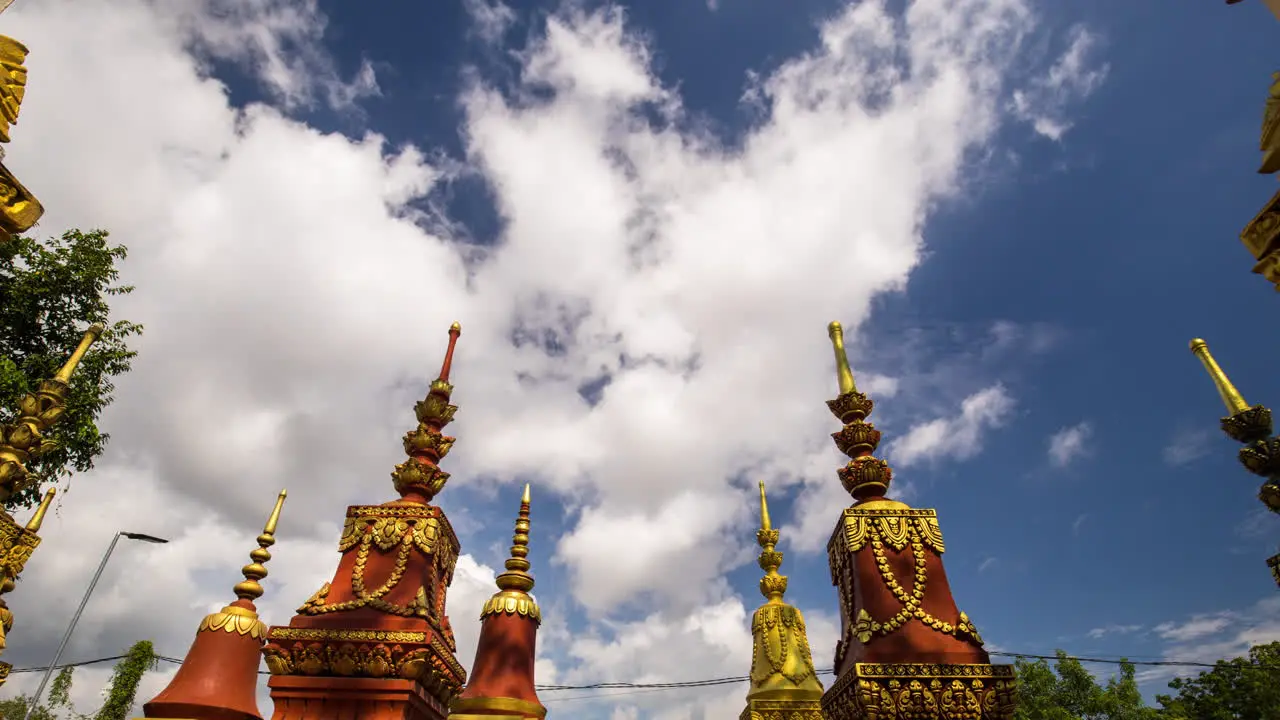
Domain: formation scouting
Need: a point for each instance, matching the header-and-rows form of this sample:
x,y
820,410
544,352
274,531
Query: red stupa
x,y
501,684
219,678
906,651
374,643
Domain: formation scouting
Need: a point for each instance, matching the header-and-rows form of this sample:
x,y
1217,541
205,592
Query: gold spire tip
x,y
525,498
456,328
517,578
843,374
90,337
256,570
764,510
1231,397
33,525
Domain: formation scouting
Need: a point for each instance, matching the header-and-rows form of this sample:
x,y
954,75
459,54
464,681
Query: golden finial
x,y
517,577
764,510
250,589
90,336
33,525
1230,396
513,596
843,373
773,586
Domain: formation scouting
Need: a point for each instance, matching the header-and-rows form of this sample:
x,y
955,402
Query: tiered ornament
x,y
1250,426
784,685
19,209
501,685
906,651
20,441
218,680
375,642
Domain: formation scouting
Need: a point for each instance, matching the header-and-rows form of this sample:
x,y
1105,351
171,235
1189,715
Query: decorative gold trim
x,y
911,691
513,705
392,636
782,710
236,620
512,603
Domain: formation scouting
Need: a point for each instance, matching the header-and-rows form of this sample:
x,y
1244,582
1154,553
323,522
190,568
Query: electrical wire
x,y
713,682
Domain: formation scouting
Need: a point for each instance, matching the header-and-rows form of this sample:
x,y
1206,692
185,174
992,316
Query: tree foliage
x,y
124,681
49,293
1239,689
1068,691
58,706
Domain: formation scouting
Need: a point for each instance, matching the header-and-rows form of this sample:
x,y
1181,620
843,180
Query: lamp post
x,y
35,699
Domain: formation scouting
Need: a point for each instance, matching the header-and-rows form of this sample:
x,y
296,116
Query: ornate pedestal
x,y
916,691
379,627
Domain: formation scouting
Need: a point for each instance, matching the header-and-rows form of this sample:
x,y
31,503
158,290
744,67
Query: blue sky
x,y
1020,259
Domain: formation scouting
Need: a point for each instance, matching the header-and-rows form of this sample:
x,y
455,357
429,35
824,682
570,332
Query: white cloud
x,y
1101,632
294,310
1071,77
1068,444
957,437
1186,446
1209,637
490,19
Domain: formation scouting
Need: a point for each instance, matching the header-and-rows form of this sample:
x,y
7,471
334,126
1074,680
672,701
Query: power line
x,y
713,682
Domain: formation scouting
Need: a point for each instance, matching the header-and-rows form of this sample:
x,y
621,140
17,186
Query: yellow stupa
x,y
783,681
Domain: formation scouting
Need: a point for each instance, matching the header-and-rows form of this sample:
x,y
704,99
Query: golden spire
x,y
514,584
241,617
23,439
250,589
1230,396
773,586
843,373
782,664
33,525
420,478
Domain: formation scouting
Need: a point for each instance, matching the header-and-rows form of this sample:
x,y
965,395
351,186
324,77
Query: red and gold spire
x,y
906,651
419,479
501,684
375,642
219,678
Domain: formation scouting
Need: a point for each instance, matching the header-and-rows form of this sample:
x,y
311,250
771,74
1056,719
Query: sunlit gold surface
x,y
783,681
514,585
244,620
13,82
1230,396
19,208
23,439
918,691
864,476
843,374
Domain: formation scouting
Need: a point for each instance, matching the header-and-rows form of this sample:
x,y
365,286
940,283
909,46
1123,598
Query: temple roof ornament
x,y
906,650
502,678
783,680
218,680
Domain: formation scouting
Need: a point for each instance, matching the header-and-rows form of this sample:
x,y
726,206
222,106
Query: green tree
x,y
58,707
124,681
1068,691
1239,689
49,293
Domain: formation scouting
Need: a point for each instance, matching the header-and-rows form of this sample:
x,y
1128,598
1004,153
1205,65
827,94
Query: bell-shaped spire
x,y
782,674
501,680
419,479
218,680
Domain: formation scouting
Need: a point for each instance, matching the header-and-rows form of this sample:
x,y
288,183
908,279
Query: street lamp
x,y
35,699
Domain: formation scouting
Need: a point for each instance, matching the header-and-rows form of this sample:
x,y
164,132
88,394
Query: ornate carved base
x,y
419,658
915,691
330,698
782,710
